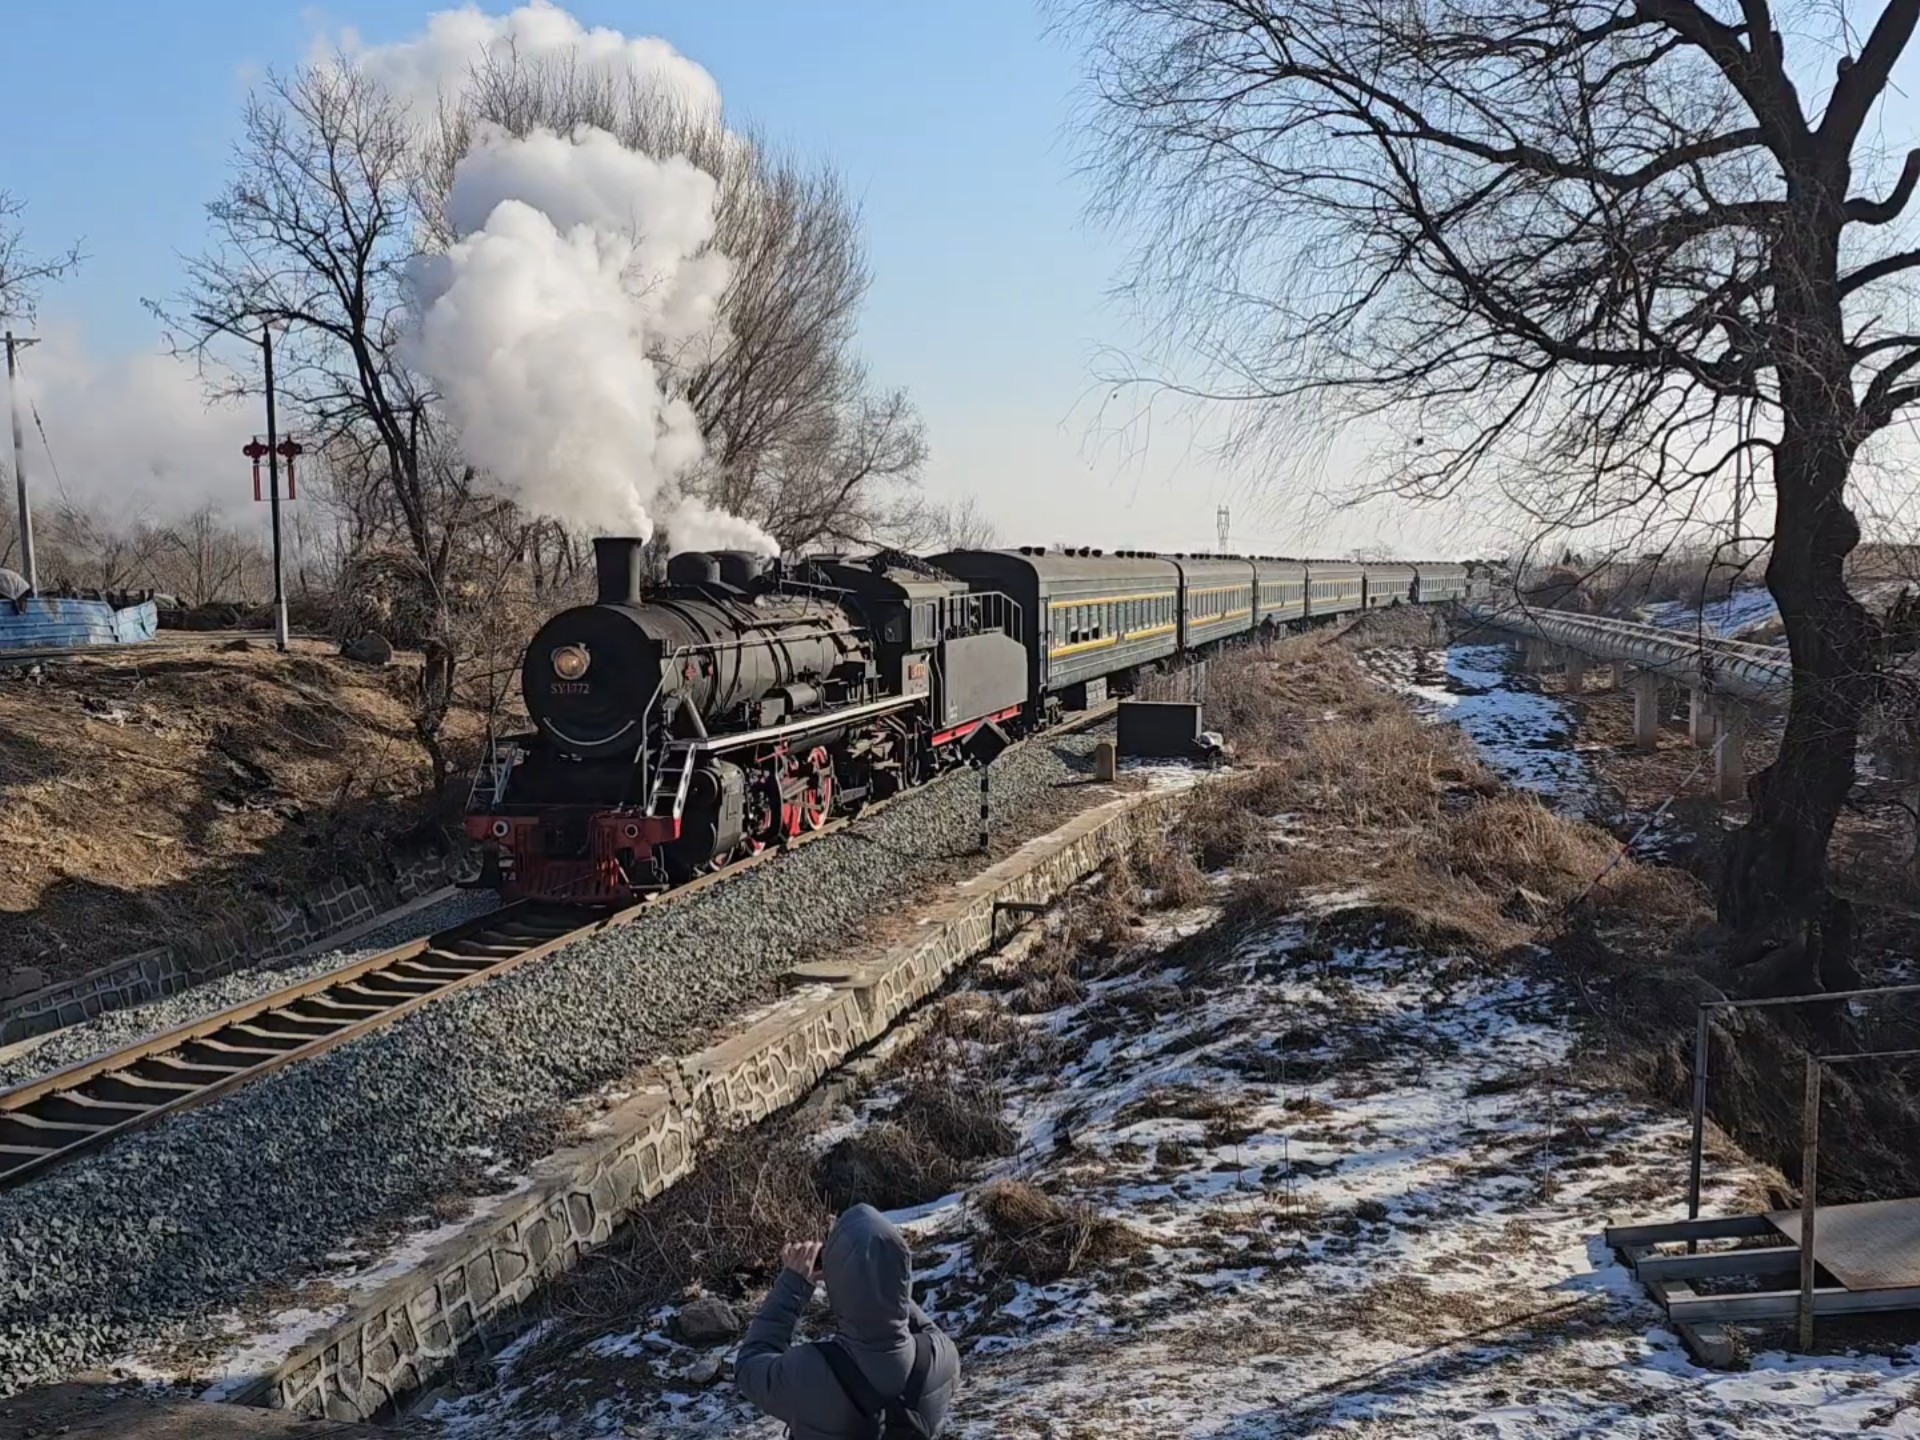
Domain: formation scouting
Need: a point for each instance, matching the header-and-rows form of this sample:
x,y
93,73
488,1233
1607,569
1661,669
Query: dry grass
x,y
751,1192
1379,800
889,1167
1170,876
1030,1235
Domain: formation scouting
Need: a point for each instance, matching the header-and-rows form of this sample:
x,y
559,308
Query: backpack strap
x,y
922,1367
859,1390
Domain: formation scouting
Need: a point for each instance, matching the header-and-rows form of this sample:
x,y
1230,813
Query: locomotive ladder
x,y
672,776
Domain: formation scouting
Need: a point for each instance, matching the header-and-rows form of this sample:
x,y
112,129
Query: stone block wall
x,y
403,1336
257,935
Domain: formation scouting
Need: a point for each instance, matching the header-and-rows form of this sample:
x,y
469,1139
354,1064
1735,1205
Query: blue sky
x,y
949,120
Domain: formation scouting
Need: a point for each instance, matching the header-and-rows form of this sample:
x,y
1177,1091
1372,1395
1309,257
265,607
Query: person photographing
x,y
886,1372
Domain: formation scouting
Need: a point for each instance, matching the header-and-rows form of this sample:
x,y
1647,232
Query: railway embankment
x,y
1308,1117
291,1191
197,810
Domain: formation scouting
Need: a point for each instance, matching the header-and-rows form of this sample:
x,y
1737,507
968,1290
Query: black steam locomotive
x,y
747,700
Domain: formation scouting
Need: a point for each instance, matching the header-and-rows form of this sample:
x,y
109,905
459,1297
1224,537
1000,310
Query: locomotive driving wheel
x,y
817,803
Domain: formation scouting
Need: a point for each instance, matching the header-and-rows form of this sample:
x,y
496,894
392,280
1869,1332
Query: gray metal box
x,y
1159,729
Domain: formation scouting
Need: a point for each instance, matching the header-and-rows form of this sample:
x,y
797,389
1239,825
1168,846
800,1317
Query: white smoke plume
x,y
434,66
581,274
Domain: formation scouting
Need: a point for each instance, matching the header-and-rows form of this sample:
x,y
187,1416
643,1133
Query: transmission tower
x,y
1221,519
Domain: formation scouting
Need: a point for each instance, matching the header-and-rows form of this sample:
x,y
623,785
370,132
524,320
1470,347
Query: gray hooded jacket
x,y
869,1274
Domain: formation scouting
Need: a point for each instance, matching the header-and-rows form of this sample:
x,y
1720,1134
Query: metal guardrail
x,y
1729,667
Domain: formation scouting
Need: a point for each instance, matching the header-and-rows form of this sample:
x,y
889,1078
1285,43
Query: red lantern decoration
x,y
255,452
288,449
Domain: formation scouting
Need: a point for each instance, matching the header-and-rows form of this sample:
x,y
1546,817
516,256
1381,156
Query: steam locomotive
x,y
746,700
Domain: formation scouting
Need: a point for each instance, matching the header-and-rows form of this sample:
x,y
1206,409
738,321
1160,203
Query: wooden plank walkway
x,y
1867,1257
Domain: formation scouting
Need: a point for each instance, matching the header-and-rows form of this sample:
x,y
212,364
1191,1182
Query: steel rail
x,y
70,1112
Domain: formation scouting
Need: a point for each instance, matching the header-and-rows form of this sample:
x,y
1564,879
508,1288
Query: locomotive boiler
x,y
736,705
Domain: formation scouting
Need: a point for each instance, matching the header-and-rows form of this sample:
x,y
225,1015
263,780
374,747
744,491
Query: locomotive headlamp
x,y
570,661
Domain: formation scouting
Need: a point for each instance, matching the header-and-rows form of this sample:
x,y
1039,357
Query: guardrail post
x,y
1809,1196
1700,719
1646,711
1730,753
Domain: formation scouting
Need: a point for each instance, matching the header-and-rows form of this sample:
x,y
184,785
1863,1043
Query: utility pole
x,y
273,493
273,453
19,461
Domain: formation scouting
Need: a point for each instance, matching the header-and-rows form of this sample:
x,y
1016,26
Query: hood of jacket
x,y
869,1273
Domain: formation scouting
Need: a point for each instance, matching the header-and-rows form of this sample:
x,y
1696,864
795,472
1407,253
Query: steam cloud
x,y
582,272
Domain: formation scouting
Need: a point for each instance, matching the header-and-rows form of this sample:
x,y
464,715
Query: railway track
x,y
65,1114
70,1112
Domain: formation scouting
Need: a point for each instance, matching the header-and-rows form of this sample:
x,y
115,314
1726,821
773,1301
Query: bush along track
x,y
1288,1125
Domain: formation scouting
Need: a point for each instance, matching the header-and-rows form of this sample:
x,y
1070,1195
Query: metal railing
x,y
1700,662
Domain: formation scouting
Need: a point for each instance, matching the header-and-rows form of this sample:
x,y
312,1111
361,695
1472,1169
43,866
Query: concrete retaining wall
x,y
401,1337
256,935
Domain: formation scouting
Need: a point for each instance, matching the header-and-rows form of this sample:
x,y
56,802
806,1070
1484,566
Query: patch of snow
x,y
1526,736
1163,774
1746,607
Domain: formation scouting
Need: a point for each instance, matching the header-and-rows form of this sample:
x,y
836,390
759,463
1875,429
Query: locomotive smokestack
x,y
620,563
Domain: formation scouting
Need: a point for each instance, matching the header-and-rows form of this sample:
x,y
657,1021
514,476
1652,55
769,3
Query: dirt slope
x,y
143,794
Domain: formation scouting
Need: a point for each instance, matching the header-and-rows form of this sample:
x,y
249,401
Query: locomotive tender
x,y
748,700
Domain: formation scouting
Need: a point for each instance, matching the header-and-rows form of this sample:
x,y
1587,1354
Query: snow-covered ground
x,y
1749,612
1367,1191
1745,608
1524,735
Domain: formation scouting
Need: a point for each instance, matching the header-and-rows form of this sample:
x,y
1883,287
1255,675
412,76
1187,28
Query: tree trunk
x,y
1775,881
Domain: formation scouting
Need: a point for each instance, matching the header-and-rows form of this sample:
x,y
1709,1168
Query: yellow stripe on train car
x,y
1083,645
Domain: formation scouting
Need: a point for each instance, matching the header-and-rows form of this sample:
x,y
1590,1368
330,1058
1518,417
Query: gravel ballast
x,y
124,1252
122,1027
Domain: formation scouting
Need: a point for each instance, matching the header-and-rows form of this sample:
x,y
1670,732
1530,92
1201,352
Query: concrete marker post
x,y
1646,711
1730,752
1700,719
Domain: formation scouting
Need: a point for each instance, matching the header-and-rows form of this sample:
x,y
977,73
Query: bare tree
x,y
965,525
1604,253
22,272
311,238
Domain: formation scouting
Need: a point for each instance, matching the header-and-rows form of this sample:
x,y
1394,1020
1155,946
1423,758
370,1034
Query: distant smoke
x,y
581,275
128,435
